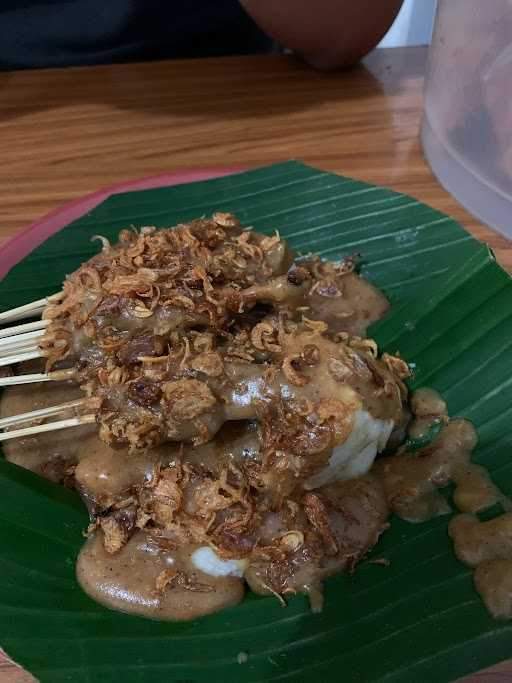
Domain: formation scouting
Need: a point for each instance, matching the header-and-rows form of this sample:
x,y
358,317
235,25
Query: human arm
x,y
326,33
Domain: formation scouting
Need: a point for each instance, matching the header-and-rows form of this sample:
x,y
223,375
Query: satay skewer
x,y
31,309
49,427
17,330
22,347
23,355
55,376
21,339
19,348
39,414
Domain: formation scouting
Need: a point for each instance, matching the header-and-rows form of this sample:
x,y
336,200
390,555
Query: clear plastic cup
x,y
467,124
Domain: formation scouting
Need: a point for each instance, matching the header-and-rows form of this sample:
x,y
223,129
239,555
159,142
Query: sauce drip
x,y
145,578
411,478
486,547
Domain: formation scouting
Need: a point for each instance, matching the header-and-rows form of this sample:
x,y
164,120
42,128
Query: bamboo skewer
x,y
17,330
43,412
22,312
8,354
20,357
56,376
29,310
12,350
21,343
50,427
19,339
28,342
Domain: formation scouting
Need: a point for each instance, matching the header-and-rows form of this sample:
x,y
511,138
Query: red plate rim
x,y
15,248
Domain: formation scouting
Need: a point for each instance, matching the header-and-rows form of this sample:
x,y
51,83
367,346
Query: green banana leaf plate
x,y
419,619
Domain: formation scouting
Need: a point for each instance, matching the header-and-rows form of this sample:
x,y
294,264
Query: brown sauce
x,y
486,547
104,475
351,304
475,491
475,542
411,479
128,581
493,581
354,513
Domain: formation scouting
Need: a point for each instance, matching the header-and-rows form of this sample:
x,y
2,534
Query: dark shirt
x,y
45,33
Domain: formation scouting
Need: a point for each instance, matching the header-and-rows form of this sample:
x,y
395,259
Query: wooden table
x,y
67,132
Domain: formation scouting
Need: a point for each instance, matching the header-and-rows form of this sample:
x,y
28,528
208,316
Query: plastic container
x,y
467,124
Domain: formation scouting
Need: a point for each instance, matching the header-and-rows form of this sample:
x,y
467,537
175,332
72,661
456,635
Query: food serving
x,y
229,411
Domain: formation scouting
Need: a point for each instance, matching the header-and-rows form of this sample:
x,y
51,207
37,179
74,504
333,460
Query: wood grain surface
x,y
67,132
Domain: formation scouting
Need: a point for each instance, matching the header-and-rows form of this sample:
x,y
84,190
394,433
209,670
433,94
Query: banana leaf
x,y
419,619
